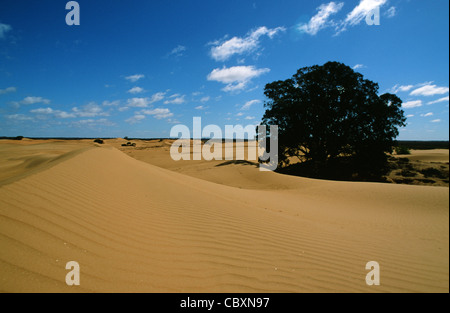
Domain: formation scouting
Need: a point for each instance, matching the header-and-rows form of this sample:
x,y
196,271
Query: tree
x,y
330,112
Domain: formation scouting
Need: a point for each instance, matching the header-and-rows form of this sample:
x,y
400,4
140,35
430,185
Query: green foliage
x,y
402,150
326,112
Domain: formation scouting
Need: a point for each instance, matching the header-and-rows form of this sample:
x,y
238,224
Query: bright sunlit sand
x,y
134,226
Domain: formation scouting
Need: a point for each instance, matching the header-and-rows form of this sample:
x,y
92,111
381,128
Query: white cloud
x,y
358,66
135,119
205,99
240,114
175,99
144,102
29,101
34,100
123,109
178,51
136,90
222,51
401,88
157,97
445,99
436,121
427,114
320,20
412,104
391,12
62,114
430,90
93,123
111,103
410,115
159,113
236,77
359,13
4,28
138,102
7,90
89,110
200,107
19,117
43,111
249,117
248,104
134,78
55,113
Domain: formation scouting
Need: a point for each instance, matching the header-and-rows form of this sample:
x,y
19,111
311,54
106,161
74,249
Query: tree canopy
x,y
328,112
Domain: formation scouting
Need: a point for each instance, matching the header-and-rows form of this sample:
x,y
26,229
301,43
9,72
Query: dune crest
x,y
135,227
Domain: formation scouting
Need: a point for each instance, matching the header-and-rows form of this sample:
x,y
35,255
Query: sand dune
x,y
137,227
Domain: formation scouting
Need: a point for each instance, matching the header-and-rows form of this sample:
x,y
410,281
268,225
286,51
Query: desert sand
x,y
137,221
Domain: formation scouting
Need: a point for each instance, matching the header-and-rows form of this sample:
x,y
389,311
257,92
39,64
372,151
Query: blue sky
x,y
137,68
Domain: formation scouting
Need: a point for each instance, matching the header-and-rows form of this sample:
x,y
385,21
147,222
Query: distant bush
x,y
433,172
99,141
408,173
129,144
18,138
402,150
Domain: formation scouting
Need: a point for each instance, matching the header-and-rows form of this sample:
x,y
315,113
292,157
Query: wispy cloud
x,y
427,114
412,104
144,102
54,113
4,28
136,90
19,117
138,102
445,99
430,90
401,88
90,123
237,77
358,66
222,51
7,90
135,119
159,113
248,104
30,101
111,103
205,99
175,99
177,51
321,19
359,13
391,12
436,121
90,110
134,78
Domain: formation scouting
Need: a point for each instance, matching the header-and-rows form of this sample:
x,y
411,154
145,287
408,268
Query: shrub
x,y
402,150
433,172
99,141
407,173
18,138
